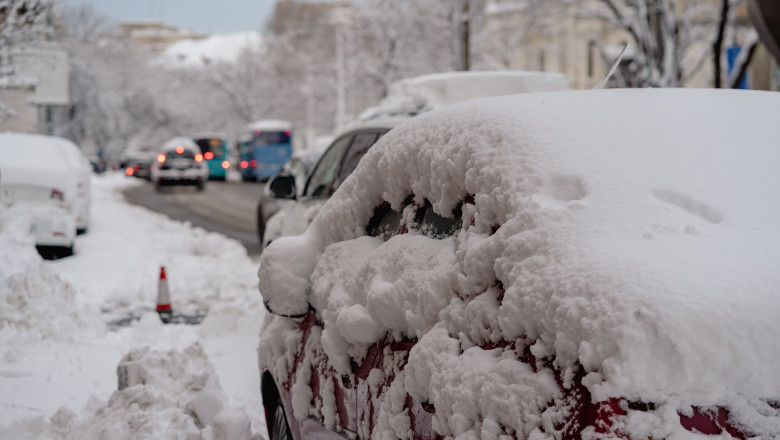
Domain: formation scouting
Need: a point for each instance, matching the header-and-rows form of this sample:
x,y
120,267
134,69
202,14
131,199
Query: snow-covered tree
x,y
669,40
22,23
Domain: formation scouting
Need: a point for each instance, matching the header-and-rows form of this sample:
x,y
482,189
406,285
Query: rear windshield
x,y
271,137
186,154
213,145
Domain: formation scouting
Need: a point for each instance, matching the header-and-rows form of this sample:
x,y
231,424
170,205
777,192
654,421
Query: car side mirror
x,y
283,187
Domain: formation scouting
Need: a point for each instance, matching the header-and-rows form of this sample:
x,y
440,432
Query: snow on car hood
x,y
637,239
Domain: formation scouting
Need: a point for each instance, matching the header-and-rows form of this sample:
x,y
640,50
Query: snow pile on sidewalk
x,y
37,303
173,393
59,356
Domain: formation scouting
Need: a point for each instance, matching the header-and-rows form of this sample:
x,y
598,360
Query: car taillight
x,y
138,167
161,158
57,195
179,150
287,133
209,155
129,171
252,163
225,164
198,157
244,164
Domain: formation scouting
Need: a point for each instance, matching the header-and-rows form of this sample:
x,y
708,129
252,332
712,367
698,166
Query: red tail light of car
x,y
244,164
161,158
209,155
225,164
129,171
198,157
252,163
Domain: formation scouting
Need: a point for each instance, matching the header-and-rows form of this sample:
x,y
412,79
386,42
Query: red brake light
x,y
287,132
179,149
57,195
209,155
225,164
161,158
198,157
244,164
129,171
138,167
252,163
257,133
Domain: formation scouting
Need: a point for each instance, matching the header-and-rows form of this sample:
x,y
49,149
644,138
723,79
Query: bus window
x,y
213,146
271,137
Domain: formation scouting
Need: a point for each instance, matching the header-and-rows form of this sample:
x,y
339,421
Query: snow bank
x,y
633,232
58,355
37,303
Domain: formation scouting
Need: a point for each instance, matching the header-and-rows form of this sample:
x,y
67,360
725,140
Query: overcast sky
x,y
208,16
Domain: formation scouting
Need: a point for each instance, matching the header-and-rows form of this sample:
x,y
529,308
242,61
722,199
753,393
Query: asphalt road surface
x,y
229,208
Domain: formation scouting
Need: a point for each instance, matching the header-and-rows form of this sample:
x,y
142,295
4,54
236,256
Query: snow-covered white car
x,y
566,265
179,162
296,168
82,168
44,173
333,167
407,98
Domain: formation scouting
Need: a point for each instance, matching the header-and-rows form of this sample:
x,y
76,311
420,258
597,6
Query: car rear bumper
x,y
183,176
53,227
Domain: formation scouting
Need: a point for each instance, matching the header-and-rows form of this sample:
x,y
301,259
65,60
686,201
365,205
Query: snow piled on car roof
x,y
423,93
628,233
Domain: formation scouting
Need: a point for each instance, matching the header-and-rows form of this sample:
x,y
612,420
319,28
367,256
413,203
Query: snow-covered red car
x,y
565,265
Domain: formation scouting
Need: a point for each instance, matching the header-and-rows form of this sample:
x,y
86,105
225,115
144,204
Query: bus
x,y
214,147
264,146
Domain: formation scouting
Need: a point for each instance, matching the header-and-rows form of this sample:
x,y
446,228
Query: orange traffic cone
x,y
164,308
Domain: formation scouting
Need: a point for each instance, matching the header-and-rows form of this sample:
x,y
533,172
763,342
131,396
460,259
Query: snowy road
x,y
228,208
59,356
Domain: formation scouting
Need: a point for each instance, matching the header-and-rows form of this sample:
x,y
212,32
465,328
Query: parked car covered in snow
x,y
335,164
566,265
50,176
297,168
407,98
179,162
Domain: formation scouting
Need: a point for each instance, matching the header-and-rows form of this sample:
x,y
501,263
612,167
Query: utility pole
x,y
464,35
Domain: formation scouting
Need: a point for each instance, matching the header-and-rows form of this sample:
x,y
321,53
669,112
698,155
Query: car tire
x,y
278,426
